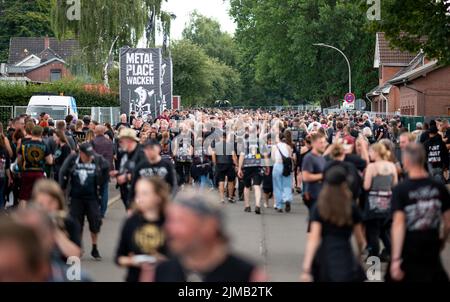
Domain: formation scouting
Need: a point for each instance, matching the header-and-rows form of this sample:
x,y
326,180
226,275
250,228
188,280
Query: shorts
x,y
253,176
225,170
268,183
27,181
89,208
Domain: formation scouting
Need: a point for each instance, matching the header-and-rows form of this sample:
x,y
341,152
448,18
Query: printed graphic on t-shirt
x,y
434,154
153,171
34,156
149,238
84,171
425,212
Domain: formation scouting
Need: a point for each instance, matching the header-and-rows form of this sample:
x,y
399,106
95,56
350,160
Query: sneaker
x,y
231,200
280,210
288,207
95,254
222,201
257,210
266,205
248,209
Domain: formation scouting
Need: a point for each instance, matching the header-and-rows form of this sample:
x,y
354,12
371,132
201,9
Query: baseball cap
x,y
87,149
128,133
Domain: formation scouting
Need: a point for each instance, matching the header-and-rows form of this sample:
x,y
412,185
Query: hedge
x,y
19,95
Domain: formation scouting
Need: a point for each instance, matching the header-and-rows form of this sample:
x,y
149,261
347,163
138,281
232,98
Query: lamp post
x,y
348,63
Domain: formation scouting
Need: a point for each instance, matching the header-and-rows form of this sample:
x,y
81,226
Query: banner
x,y
140,81
166,83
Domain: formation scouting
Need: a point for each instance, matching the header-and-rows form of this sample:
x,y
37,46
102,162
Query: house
x,y
409,84
40,60
425,90
389,61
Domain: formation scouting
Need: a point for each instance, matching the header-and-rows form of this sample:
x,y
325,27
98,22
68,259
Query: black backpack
x,y
287,164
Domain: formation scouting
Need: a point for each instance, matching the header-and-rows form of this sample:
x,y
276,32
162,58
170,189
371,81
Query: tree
x,y
20,18
190,73
202,80
413,25
104,25
279,61
206,33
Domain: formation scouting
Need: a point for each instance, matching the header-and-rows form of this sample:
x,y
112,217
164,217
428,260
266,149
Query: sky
x,y
216,9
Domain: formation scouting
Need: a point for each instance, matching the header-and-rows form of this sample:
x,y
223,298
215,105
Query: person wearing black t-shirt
x,y
61,153
153,165
334,219
418,204
253,164
130,154
142,233
225,161
87,172
197,240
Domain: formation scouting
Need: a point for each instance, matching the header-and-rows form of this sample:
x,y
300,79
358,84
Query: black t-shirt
x,y
80,137
60,155
141,237
33,155
83,181
163,169
423,201
356,160
224,151
233,269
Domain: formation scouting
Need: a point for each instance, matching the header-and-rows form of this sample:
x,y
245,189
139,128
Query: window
x,y
55,75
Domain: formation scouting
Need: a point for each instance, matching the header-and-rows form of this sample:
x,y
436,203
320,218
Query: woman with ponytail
x,y
379,179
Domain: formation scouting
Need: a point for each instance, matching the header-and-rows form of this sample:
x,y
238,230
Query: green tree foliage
x,y
19,18
277,57
206,33
201,80
105,25
417,24
204,63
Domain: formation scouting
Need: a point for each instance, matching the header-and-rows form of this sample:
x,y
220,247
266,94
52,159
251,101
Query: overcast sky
x,y
216,9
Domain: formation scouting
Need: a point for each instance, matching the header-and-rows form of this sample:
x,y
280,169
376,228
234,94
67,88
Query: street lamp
x,y
348,63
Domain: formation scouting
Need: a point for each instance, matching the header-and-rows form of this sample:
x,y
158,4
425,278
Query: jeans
x,y
282,186
204,182
105,199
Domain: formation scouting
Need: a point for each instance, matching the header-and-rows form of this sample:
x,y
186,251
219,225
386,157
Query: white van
x,y
58,107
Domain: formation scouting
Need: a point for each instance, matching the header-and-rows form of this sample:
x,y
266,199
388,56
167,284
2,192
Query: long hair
x,y
2,137
90,135
62,137
335,202
386,153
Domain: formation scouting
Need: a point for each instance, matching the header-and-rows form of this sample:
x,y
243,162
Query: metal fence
x,y
100,114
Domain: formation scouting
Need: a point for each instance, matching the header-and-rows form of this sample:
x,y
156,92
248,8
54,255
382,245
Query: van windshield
x,y
55,112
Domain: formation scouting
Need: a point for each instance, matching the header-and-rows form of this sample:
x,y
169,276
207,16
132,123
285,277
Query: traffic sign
x,y
348,106
350,98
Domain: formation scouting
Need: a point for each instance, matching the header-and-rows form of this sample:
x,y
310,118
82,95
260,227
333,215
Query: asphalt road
x,y
275,240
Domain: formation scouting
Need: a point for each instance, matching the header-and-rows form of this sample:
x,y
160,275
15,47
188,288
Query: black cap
x,y
433,129
151,143
87,149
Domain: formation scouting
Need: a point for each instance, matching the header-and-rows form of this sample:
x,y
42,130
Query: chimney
x,y
46,42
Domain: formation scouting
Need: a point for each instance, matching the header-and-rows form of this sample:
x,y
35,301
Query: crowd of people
x,y
367,178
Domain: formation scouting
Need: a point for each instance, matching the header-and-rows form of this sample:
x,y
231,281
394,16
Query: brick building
x,y
409,84
40,59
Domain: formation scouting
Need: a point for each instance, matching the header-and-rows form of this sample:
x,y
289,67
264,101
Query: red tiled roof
x,y
392,55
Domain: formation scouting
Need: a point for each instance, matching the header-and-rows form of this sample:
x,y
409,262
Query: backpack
x,y
287,164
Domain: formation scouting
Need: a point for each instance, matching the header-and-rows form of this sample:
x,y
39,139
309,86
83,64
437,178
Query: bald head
x,y
100,130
